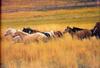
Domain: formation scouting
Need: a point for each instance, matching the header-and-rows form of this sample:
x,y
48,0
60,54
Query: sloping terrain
x,y
29,5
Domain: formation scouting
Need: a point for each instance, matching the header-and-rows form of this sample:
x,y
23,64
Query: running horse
x,y
49,34
27,38
29,30
11,32
96,30
78,33
19,36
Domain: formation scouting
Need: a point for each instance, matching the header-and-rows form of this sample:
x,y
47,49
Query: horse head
x,y
28,30
68,29
9,31
97,26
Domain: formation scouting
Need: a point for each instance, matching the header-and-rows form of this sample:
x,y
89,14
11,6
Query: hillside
x,y
29,5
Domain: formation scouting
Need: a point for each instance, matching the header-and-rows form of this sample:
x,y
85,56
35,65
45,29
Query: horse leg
x,y
36,40
45,40
72,36
97,37
25,42
13,42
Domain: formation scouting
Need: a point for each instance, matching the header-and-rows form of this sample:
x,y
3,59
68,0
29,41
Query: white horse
x,y
11,32
19,36
27,38
55,34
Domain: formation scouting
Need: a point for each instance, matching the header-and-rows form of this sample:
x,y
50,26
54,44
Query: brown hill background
x,y
27,5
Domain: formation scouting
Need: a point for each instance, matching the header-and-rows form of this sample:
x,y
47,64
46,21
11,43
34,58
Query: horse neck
x,y
21,34
12,33
52,32
93,30
71,32
36,31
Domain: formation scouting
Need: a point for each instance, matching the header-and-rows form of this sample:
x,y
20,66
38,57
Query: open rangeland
x,y
62,52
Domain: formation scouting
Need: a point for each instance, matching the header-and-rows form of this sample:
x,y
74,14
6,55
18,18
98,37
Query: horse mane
x,y
97,25
34,30
29,29
77,28
21,33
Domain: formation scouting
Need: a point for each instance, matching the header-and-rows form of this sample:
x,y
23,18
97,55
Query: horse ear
x,y
68,27
74,27
23,27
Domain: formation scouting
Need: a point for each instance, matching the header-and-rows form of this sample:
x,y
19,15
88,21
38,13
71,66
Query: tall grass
x,y
62,52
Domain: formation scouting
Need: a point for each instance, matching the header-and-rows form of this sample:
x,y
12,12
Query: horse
x,y
25,37
80,34
29,30
58,34
83,34
49,34
76,29
11,32
96,30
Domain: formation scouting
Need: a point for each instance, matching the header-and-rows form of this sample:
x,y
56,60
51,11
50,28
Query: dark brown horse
x,y
58,33
79,33
96,30
83,34
74,29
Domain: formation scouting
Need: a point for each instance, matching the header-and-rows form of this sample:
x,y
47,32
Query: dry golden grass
x,y
62,52
84,12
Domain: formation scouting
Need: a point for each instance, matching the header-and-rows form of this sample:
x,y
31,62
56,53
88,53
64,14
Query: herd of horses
x,y
27,34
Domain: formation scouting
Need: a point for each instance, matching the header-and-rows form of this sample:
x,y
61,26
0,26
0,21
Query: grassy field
x,y
62,52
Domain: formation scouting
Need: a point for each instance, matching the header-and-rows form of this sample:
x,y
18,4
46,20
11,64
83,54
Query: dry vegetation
x,y
62,52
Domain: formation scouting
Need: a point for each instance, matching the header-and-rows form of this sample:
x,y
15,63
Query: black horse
x,y
46,34
96,30
29,30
